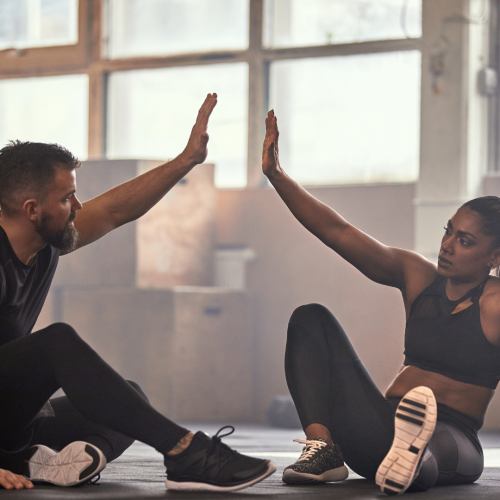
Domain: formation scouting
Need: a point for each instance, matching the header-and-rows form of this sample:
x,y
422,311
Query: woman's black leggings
x,y
330,386
100,406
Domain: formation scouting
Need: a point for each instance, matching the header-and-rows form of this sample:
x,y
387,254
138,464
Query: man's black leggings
x,y
99,407
330,386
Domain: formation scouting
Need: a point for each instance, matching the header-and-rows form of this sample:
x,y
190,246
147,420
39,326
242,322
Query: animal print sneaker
x,y
318,463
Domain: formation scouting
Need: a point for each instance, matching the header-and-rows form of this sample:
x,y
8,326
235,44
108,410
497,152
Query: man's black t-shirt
x,y
23,289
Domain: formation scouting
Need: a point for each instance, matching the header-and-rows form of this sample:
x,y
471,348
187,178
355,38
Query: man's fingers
x,y
206,109
26,482
210,102
6,484
10,481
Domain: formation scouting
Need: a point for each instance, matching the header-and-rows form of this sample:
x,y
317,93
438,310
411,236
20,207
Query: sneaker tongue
x,y
321,440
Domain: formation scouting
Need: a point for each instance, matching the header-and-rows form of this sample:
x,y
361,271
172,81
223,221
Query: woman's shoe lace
x,y
310,448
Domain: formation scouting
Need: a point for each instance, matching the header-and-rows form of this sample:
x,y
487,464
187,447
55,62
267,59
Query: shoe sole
x,y
330,476
193,486
75,464
414,425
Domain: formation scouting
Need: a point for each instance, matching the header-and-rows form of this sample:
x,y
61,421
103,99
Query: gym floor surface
x,y
140,473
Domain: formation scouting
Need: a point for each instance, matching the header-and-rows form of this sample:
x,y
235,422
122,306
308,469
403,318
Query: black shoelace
x,y
218,451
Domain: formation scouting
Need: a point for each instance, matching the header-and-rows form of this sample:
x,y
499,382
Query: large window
x,y
349,120
299,23
38,23
161,27
342,75
151,112
46,109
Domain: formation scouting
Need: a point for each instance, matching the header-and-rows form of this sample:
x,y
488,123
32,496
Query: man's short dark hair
x,y
27,169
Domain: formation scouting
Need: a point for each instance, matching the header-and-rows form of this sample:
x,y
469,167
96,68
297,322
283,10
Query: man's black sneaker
x,y
318,463
75,464
414,425
209,464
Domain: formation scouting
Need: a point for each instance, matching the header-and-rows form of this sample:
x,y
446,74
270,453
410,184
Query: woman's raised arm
x,y
378,262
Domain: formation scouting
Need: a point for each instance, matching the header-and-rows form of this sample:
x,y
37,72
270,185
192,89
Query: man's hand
x,y
11,481
196,150
270,151
132,199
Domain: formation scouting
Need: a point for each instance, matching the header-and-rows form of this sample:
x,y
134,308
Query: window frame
x,y
87,56
494,99
50,60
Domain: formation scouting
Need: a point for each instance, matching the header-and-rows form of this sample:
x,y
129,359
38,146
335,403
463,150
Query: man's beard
x,y
64,239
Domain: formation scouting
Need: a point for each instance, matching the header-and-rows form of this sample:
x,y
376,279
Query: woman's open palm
x,y
270,151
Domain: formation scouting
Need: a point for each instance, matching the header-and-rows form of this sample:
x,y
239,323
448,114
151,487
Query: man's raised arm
x,y
134,198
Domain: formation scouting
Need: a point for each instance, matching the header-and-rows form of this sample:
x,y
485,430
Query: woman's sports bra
x,y
453,345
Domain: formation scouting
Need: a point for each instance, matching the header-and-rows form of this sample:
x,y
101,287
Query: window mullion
x,y
257,94
97,84
97,118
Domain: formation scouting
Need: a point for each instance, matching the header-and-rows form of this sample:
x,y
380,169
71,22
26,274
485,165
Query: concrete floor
x,y
139,473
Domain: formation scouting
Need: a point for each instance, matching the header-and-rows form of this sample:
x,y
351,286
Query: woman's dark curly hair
x,y
488,209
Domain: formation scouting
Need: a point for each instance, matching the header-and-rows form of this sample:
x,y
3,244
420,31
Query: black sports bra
x,y
453,345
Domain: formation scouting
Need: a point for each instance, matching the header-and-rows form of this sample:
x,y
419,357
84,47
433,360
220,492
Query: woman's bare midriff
x,y
470,399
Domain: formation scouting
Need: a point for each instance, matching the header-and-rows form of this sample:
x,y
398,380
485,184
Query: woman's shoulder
x,y
491,292
489,304
419,274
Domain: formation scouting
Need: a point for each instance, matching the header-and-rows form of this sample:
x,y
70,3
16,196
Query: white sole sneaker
x,y
414,425
75,464
195,486
330,476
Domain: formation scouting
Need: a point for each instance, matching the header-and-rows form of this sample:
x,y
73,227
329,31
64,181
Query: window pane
x,y
349,119
38,23
294,23
151,113
48,109
162,27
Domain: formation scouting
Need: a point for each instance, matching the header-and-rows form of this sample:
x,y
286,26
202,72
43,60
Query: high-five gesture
x,y
196,150
270,151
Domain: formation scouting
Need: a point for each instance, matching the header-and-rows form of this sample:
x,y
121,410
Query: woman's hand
x,y
270,151
386,265
11,481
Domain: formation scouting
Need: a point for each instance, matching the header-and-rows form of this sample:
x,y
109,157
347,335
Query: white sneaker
x,y
414,425
75,464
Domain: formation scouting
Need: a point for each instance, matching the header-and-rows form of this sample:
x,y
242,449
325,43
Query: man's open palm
x,y
196,150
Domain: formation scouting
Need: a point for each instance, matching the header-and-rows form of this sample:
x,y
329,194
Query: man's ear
x,y
32,209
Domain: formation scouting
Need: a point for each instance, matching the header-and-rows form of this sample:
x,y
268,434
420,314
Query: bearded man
x,y
69,440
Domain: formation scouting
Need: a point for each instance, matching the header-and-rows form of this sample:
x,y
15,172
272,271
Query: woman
x,y
452,348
